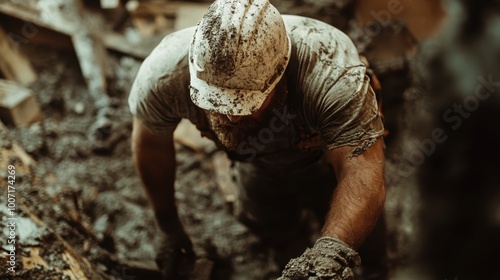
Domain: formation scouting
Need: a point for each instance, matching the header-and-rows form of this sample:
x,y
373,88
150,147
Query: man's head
x,y
238,55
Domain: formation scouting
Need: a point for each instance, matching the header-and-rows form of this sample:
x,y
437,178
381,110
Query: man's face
x,y
233,130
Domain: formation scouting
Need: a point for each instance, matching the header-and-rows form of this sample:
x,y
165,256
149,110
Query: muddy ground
x,y
98,188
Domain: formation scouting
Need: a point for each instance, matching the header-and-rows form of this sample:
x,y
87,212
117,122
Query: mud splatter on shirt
x,y
327,89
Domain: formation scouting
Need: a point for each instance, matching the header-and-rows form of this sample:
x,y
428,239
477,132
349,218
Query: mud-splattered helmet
x,y
238,54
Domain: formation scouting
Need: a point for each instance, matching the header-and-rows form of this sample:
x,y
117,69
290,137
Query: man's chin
x,y
232,135
230,140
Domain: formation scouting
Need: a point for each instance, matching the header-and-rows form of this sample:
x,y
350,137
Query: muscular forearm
x,y
358,199
154,159
354,210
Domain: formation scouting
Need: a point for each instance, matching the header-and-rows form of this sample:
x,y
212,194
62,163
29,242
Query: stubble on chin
x,y
230,134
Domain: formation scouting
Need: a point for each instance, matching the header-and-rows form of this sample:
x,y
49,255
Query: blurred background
x,y
66,68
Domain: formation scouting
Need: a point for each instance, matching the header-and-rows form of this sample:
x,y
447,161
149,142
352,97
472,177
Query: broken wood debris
x,y
183,14
94,65
188,14
44,251
13,63
18,106
89,50
75,266
22,33
31,15
119,43
224,176
188,135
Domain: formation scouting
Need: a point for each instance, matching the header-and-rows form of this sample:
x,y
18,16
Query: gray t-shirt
x,y
330,102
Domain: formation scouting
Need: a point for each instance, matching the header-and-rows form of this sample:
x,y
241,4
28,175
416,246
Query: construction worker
x,y
288,99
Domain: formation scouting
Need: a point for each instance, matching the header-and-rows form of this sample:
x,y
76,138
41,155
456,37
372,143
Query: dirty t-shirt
x,y
330,102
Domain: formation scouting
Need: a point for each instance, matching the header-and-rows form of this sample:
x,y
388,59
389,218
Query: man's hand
x,y
330,258
176,256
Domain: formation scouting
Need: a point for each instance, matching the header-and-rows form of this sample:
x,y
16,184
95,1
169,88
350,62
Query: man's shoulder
x,y
179,40
321,56
324,70
164,75
168,54
300,27
167,65
316,42
301,21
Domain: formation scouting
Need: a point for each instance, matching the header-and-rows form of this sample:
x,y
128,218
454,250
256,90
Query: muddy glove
x,y
176,256
330,258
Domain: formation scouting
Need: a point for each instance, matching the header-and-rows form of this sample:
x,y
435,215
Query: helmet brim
x,y
236,102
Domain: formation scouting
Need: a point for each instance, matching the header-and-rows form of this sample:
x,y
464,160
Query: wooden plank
x,y
30,33
18,106
188,135
25,158
30,14
94,65
75,271
63,32
13,63
149,26
185,14
88,47
189,14
117,42
152,8
224,177
34,259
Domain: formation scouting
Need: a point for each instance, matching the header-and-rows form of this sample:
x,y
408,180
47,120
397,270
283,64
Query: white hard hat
x,y
238,54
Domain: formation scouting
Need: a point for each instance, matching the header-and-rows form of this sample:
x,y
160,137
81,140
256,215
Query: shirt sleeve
x,y
157,96
348,113
149,108
146,104
334,95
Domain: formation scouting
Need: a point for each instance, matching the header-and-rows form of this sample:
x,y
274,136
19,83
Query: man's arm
x,y
356,204
154,159
359,197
